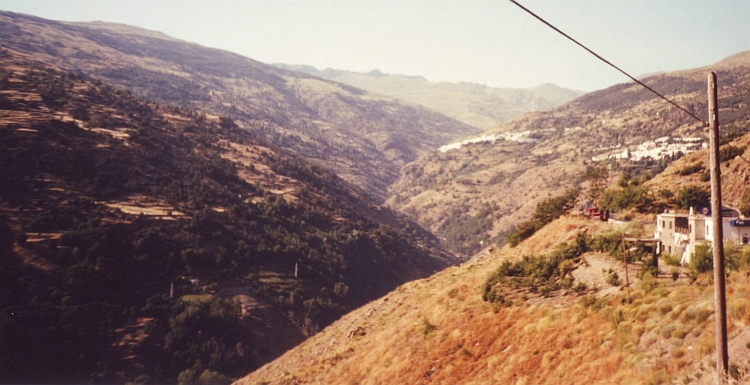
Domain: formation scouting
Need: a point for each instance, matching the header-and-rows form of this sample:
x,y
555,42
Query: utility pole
x,y
625,260
722,357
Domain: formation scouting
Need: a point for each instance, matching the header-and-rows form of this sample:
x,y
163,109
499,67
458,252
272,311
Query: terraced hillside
x,y
140,240
362,137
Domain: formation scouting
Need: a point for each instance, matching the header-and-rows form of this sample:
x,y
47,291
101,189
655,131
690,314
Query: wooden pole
x,y
722,357
625,261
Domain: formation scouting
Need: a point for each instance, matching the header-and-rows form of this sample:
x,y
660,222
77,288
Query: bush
x,y
692,196
691,169
732,256
613,279
727,153
702,260
542,273
546,211
670,259
630,196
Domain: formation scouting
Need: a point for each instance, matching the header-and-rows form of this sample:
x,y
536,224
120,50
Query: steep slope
x,y
511,167
474,104
142,239
362,137
588,329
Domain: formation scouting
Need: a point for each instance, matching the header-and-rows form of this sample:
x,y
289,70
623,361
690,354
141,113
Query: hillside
x,y
515,165
448,329
362,137
152,241
474,104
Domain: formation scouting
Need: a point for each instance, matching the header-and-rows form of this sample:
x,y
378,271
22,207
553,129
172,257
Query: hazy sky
x,y
488,42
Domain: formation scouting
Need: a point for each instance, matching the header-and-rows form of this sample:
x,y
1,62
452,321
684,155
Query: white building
x,y
679,233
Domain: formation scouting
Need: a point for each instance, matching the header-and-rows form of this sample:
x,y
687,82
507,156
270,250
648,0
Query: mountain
x,y
143,241
363,137
474,104
560,307
475,192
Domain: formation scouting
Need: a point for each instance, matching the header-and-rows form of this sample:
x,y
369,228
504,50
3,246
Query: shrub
x,y
613,279
665,193
692,196
630,196
730,152
677,352
691,169
702,260
670,259
732,255
428,328
647,282
546,211
679,333
740,309
664,306
667,330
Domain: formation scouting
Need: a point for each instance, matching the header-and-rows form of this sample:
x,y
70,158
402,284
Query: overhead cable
x,y
705,124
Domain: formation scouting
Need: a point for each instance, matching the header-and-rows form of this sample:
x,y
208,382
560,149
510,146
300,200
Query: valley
x,y
158,241
172,213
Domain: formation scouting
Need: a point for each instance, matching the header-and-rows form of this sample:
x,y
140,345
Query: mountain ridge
x,y
513,166
474,104
363,137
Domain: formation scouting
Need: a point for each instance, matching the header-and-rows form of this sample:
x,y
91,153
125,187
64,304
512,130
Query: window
x,y
744,239
670,225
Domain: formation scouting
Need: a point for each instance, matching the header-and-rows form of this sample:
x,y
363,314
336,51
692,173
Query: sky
x,y
494,43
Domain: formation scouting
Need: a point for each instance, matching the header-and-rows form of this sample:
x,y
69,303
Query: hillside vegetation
x,y
474,104
364,138
576,325
542,154
151,241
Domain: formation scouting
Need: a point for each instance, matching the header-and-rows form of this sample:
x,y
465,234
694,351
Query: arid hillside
x,y
362,137
139,240
472,193
474,104
553,310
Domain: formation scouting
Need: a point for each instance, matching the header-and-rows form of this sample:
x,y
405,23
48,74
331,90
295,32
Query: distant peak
x,y
124,29
376,73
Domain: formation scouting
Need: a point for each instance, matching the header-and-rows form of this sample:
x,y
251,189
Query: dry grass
x,y
438,330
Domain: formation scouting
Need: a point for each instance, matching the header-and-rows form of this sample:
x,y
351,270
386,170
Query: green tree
x,y
546,211
692,196
598,178
630,196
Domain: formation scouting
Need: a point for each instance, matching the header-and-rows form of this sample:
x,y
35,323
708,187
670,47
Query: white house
x,y
679,233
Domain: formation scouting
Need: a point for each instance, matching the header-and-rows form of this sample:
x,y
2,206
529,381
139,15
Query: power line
x,y
705,124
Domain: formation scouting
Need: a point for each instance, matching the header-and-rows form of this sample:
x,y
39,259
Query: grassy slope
x,y
439,330
664,334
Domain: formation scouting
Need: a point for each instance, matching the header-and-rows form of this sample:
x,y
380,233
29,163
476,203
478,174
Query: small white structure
x,y
679,233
